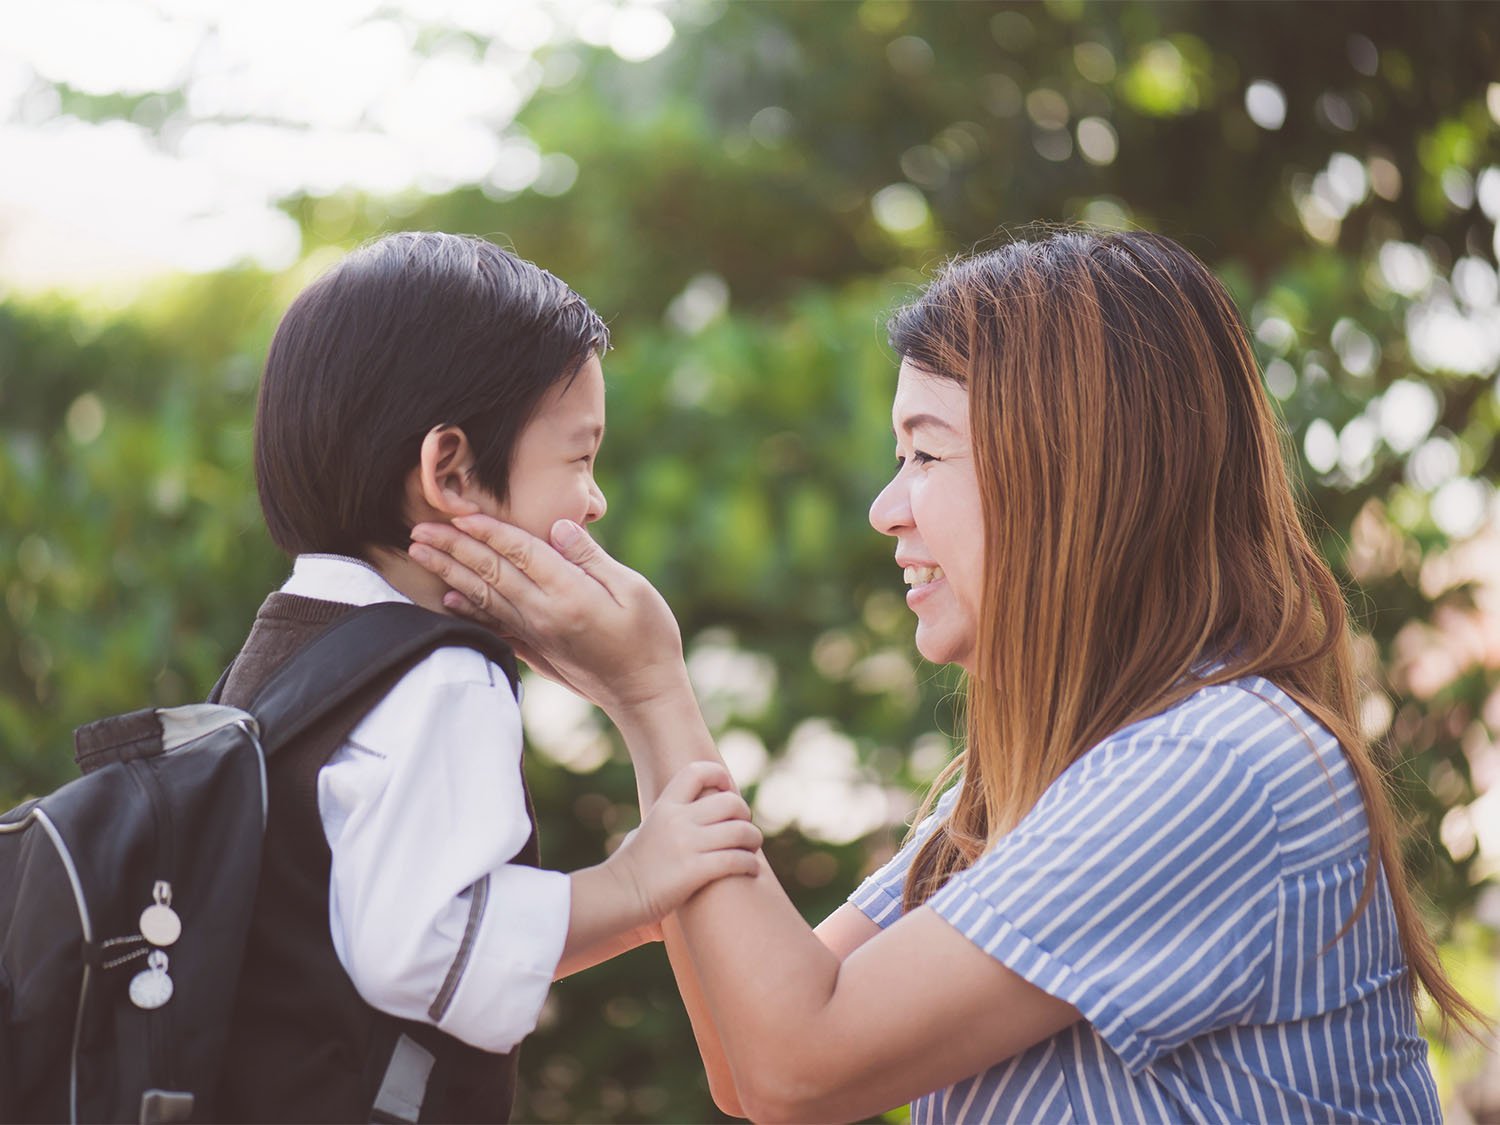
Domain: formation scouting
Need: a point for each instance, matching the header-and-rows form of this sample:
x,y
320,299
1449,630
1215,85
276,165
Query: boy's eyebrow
x,y
594,432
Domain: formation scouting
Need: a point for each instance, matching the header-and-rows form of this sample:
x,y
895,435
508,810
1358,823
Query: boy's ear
x,y
445,474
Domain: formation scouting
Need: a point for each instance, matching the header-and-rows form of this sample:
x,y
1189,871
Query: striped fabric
x,y
1179,885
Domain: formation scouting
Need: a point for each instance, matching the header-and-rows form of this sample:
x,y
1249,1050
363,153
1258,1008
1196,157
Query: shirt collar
x,y
337,578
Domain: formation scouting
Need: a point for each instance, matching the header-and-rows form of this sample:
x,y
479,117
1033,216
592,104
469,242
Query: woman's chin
x,y
939,646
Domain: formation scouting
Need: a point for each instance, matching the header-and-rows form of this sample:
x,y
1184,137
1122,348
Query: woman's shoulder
x,y
1249,736
1250,718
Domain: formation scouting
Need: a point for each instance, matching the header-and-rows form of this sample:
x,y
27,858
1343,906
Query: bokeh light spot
x,y
900,208
1097,141
1265,103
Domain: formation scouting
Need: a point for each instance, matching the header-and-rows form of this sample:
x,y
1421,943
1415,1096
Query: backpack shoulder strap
x,y
355,652
217,692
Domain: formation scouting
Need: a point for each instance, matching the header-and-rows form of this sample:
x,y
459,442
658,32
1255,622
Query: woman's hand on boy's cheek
x,y
598,626
479,576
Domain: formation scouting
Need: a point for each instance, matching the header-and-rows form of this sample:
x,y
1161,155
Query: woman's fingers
x,y
465,608
474,560
485,596
576,545
544,563
488,546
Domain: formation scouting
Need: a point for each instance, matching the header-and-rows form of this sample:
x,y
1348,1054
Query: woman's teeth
x,y
922,575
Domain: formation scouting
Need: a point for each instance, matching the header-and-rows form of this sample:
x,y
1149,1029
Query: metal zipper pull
x,y
160,924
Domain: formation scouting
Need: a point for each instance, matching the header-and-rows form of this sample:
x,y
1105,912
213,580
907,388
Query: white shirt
x,y
424,810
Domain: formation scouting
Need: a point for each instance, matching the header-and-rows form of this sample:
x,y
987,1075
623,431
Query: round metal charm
x,y
160,925
151,987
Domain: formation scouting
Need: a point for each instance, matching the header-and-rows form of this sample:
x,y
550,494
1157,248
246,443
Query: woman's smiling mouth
x,y
918,576
922,580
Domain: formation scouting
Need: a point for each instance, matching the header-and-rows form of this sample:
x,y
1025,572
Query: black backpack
x,y
125,896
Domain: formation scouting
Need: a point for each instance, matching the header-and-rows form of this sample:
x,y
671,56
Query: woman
x,y
1166,884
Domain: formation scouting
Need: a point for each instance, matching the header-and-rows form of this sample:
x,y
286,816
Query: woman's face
x,y
931,508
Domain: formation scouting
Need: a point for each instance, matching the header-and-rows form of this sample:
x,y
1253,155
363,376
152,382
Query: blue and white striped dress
x,y
1178,885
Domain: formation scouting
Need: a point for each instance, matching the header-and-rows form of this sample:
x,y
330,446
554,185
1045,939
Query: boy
x,y
404,937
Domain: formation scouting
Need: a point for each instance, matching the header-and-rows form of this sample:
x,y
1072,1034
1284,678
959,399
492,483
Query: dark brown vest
x,y
304,1046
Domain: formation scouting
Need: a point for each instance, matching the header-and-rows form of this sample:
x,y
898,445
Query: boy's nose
x,y
598,505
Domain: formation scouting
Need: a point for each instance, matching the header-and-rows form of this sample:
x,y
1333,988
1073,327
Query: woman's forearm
x,y
663,735
764,979
756,972
721,1084
757,976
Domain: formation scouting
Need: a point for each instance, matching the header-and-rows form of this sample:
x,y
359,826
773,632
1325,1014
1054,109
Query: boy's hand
x,y
698,831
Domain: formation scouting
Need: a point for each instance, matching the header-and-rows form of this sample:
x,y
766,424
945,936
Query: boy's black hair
x,y
412,331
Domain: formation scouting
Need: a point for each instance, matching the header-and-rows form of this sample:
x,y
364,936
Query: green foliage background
x,y
743,451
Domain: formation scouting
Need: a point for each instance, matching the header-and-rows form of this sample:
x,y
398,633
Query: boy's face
x,y
552,469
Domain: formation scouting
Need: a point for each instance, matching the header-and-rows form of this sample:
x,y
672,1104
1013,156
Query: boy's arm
x,y
605,949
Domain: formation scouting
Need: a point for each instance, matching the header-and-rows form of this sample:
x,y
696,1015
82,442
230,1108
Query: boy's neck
x,y
421,586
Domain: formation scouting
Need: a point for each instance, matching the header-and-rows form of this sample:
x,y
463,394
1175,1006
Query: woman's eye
x,y
921,458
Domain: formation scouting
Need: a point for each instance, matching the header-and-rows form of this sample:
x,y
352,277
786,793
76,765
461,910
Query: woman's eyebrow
x,y
931,421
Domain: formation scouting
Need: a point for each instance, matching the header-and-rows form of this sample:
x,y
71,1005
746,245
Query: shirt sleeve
x,y
879,896
424,810
1141,889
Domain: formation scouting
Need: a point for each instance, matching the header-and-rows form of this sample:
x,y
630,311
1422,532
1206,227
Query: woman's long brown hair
x,y
1139,525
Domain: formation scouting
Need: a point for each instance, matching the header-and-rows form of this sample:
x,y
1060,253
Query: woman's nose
x,y
891,510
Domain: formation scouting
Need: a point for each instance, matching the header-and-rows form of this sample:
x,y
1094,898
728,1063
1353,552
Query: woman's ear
x,y
445,475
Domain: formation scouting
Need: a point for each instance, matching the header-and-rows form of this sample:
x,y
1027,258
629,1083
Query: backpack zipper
x,y
159,1021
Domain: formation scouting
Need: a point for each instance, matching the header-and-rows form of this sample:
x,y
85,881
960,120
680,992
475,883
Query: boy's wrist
x,y
631,910
608,906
